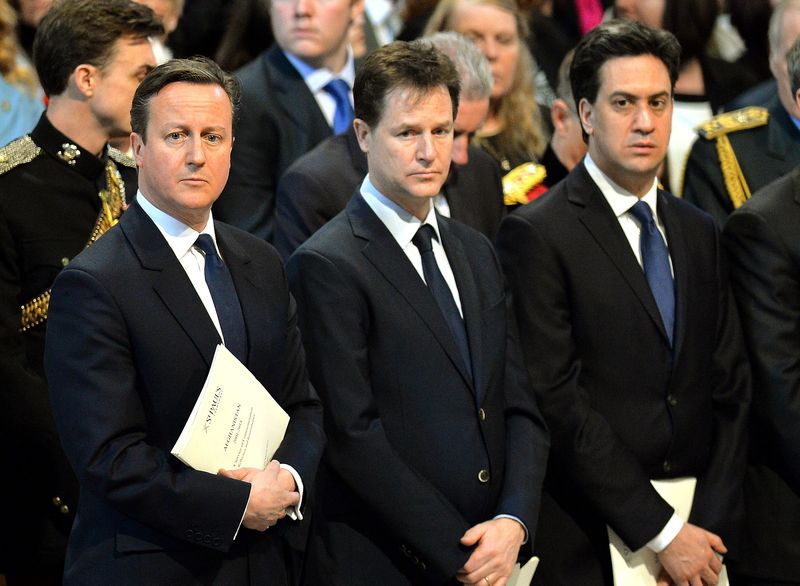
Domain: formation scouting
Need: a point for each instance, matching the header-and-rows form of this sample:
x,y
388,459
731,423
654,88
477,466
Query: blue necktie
x,y
340,92
441,292
655,260
226,301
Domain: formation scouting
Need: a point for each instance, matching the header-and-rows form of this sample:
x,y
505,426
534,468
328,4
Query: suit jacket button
x,y
56,500
189,534
483,476
64,509
672,400
667,466
423,566
481,414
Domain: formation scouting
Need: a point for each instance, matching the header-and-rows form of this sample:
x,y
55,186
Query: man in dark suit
x,y
633,345
436,449
740,152
764,254
134,323
61,187
318,185
295,95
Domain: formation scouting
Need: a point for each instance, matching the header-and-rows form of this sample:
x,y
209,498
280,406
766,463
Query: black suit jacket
x,y
764,253
279,121
318,185
409,431
129,345
622,406
764,154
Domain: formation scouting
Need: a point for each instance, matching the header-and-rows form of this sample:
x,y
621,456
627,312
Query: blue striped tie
x,y
340,92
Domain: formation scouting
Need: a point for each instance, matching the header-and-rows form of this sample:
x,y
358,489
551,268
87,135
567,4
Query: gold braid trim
x,y
520,180
34,312
18,152
735,182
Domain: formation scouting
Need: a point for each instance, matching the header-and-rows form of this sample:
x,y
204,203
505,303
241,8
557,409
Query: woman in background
x,y
513,132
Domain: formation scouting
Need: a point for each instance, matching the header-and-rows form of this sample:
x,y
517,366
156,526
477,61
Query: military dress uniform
x,y
55,199
737,154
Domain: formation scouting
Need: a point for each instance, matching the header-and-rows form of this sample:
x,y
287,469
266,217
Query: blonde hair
x,y
13,71
521,127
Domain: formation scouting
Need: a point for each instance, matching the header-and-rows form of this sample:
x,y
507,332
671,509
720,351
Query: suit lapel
x,y
470,304
382,251
293,95
172,285
678,253
598,218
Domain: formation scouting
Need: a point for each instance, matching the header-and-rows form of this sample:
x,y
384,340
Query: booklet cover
x,y
524,575
235,422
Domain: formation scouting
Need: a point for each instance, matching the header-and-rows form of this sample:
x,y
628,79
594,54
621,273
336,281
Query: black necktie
x,y
655,261
441,292
226,302
340,92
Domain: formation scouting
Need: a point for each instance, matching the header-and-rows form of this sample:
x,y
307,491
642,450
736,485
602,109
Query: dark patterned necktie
x,y
655,261
441,292
226,301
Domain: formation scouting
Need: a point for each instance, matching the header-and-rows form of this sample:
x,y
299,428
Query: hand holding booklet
x,y
235,422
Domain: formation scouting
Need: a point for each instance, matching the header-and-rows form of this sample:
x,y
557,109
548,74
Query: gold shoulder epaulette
x,y
742,119
121,157
18,152
523,183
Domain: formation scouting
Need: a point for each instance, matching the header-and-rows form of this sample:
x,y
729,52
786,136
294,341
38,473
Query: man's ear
x,y
585,111
137,145
85,77
560,115
362,134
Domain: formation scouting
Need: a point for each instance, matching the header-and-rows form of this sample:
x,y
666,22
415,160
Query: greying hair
x,y
564,87
473,68
776,20
793,64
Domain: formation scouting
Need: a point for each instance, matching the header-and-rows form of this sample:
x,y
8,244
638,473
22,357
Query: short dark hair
x,y
85,31
415,65
197,70
618,38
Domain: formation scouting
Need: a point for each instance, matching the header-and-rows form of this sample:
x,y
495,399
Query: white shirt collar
x,y
402,224
316,79
179,236
620,199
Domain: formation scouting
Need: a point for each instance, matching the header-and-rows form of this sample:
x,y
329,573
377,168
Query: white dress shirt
x,y
403,225
621,201
181,239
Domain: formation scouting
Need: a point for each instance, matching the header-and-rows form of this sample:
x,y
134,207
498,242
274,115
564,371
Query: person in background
x,y
294,95
169,11
513,133
21,98
739,152
763,248
61,187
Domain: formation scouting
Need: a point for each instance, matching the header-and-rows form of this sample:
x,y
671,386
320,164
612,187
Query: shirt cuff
x,y
294,512
524,528
667,534
243,514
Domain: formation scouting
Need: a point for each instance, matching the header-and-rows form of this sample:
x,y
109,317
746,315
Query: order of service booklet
x,y
523,576
235,422
641,567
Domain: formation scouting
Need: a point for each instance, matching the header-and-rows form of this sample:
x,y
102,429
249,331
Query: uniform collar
x,y
66,151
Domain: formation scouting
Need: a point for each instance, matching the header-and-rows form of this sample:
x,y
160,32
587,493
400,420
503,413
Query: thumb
x,y
473,535
238,474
